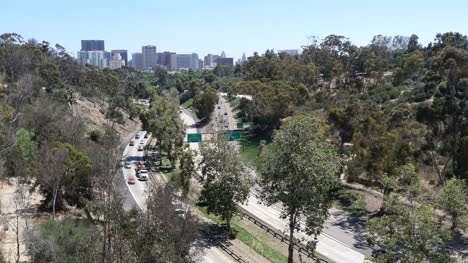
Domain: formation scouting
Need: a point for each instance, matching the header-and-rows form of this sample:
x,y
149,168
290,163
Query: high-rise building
x,y
168,60
82,57
244,59
224,61
123,53
149,57
91,45
116,61
223,55
97,58
184,61
199,64
32,41
137,61
210,60
290,52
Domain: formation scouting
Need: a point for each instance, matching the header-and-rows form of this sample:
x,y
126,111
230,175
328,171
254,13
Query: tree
x,y
187,166
227,181
299,170
62,173
409,231
205,102
166,231
454,201
163,120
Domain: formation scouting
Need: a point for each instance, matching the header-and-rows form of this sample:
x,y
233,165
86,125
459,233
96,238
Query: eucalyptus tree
x,y
227,181
300,170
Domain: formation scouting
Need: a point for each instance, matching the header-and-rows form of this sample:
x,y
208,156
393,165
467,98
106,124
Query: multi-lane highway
x,y
138,192
338,242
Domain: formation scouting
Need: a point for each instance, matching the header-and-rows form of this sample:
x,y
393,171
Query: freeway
x,y
138,193
341,239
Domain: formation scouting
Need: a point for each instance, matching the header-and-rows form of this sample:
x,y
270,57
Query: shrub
x,y
95,135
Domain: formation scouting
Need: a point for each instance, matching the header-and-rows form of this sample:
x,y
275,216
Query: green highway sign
x,y
194,137
232,136
240,125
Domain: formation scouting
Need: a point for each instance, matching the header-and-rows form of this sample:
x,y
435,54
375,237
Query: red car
x,y
131,180
132,142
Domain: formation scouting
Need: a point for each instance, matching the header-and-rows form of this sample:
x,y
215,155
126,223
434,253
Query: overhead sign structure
x,y
194,137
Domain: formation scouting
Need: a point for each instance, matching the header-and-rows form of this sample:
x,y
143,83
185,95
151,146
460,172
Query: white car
x,y
142,142
143,175
140,148
128,165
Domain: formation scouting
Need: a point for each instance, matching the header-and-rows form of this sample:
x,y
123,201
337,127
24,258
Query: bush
x,y
95,135
69,240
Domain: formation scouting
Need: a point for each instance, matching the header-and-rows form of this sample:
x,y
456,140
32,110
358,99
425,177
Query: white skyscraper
x,y
116,61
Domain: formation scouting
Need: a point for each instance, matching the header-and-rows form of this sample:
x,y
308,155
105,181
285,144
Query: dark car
x,y
219,107
225,113
137,136
146,135
132,142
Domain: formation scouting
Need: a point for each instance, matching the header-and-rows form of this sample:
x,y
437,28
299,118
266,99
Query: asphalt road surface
x,y
342,238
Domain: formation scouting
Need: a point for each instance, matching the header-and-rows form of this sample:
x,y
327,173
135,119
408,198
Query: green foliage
x,y
350,201
300,170
26,144
95,135
68,240
409,232
226,179
454,201
134,110
205,102
187,167
162,119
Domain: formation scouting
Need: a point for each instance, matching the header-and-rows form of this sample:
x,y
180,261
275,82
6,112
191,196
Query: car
x,y
131,180
137,136
226,126
219,107
142,142
140,148
146,135
128,165
225,113
143,175
132,142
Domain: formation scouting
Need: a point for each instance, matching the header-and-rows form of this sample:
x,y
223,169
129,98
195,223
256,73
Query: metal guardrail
x,y
299,246
226,249
152,179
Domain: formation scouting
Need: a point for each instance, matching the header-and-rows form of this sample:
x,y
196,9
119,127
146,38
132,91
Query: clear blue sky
x,y
235,26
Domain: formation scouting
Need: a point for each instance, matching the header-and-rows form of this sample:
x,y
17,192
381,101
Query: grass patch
x,y
173,177
247,238
188,103
259,246
250,150
350,201
234,103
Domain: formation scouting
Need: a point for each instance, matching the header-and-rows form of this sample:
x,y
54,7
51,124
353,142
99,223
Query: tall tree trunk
x,y
54,200
160,153
17,239
292,225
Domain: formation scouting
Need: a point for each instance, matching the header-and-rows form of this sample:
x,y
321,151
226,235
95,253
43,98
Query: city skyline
x,y
235,27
